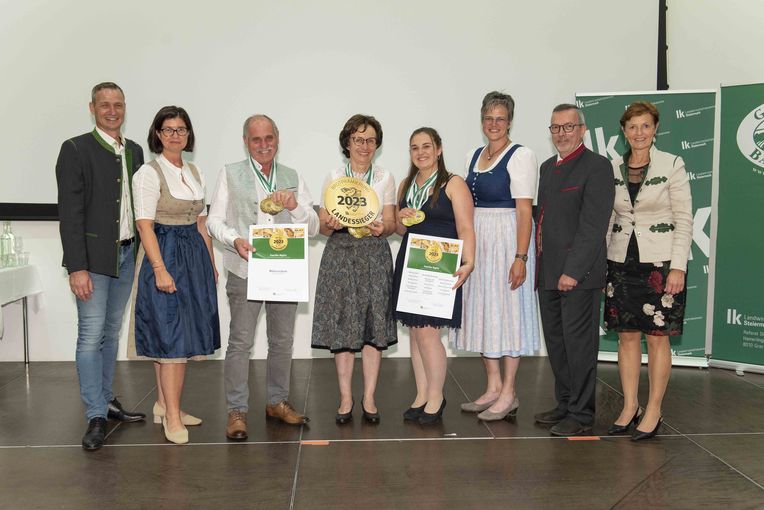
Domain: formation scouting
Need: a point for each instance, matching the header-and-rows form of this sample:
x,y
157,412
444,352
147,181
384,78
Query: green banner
x,y
418,259
738,331
278,248
686,129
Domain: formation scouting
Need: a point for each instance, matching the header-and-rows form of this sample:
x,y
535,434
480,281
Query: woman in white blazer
x,y
648,247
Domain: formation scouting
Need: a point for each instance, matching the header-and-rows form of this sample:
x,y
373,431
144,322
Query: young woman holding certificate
x,y
500,311
353,307
433,202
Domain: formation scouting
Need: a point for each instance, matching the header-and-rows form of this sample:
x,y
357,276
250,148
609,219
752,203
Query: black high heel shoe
x,y
368,417
639,435
432,418
413,413
343,418
616,429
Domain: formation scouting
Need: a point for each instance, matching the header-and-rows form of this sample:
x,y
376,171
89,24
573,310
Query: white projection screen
x,y
309,65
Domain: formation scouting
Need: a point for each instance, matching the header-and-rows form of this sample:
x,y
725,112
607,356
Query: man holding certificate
x,y
259,191
435,219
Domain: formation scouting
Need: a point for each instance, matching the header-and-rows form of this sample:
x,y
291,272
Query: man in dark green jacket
x,y
94,173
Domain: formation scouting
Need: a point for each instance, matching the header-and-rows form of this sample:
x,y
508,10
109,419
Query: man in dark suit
x,y
95,207
575,200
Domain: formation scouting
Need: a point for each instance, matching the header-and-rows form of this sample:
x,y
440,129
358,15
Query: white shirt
x,y
180,181
126,214
383,185
522,169
219,228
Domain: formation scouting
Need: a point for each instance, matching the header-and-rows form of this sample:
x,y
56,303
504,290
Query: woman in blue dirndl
x,y
176,313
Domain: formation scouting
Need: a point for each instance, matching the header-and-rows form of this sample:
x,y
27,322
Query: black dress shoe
x,y
616,429
95,435
368,417
117,412
639,435
551,417
343,418
569,427
432,418
413,413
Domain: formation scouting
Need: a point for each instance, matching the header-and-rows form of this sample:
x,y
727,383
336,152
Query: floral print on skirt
x,y
635,298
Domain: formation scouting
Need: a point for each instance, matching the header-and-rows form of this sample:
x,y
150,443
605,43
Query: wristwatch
x,y
522,256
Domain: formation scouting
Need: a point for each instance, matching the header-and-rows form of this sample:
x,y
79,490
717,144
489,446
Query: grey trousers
x,y
280,331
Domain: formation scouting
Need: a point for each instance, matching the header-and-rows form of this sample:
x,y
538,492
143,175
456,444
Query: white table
x,y
19,283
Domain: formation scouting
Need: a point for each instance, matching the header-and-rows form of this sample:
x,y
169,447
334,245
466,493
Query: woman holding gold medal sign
x,y
353,307
436,203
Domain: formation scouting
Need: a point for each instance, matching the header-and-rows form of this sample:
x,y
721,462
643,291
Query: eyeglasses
x,y
495,120
359,141
568,128
168,131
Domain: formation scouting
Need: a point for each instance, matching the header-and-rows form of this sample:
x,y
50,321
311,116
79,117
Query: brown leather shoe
x,y
285,412
237,426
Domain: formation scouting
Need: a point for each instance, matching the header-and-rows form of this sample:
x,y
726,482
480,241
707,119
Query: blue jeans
x,y
99,321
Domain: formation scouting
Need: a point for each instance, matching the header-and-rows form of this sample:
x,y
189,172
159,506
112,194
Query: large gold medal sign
x,y
351,201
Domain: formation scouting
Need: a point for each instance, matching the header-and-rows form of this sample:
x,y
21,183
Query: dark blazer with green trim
x,y
89,178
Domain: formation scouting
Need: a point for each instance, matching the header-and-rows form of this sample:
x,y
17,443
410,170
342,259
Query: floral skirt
x,y
635,299
353,305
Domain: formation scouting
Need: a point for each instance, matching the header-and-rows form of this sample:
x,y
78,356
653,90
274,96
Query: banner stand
x,y
739,367
676,361
687,126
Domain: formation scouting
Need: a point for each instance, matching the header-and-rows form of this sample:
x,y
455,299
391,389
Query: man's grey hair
x,y
567,106
494,99
258,116
104,85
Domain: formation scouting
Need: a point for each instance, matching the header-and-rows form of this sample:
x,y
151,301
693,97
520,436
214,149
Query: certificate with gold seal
x,y
278,268
428,276
352,201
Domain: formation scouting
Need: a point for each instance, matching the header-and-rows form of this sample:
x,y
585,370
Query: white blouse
x,y
180,181
522,169
383,185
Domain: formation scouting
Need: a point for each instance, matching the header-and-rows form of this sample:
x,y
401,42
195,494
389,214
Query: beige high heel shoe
x,y
185,419
177,437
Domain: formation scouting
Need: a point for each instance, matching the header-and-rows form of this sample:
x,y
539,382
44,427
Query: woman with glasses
x,y
499,317
174,296
649,244
446,204
353,309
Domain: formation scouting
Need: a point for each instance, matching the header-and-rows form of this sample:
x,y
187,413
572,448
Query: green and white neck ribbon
x,y
368,176
416,196
269,183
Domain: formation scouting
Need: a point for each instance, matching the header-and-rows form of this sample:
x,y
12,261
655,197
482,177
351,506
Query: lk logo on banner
x,y
686,129
738,331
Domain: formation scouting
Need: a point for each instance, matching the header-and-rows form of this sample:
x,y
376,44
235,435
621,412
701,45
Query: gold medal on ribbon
x,y
413,220
353,202
359,232
268,206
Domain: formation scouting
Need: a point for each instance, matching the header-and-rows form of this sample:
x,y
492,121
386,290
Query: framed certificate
x,y
428,276
278,268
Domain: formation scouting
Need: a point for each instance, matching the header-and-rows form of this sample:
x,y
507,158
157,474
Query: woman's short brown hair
x,y
638,108
169,112
358,122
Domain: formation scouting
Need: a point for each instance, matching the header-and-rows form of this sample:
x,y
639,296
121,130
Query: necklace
x,y
492,154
